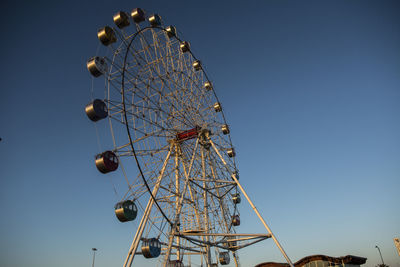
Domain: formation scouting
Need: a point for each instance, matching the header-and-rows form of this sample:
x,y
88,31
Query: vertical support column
x,y
206,220
196,210
254,207
178,256
177,216
235,259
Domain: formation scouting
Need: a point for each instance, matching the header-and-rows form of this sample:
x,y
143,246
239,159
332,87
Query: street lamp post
x,y
94,255
383,264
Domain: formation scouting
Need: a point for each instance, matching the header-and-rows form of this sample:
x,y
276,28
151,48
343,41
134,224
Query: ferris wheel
x,y
171,144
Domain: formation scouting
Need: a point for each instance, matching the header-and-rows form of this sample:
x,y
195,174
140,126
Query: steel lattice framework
x,y
164,114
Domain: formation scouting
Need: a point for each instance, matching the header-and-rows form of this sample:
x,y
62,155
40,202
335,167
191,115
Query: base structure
x,y
203,240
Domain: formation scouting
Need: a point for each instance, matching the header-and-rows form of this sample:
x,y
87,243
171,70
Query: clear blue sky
x,y
311,90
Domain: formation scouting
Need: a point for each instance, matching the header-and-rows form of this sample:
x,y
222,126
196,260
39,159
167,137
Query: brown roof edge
x,y
349,259
354,259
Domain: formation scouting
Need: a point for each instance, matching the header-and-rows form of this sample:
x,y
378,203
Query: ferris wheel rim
x,y
128,130
126,123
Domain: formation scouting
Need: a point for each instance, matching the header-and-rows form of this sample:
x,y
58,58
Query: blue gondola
x,y
151,248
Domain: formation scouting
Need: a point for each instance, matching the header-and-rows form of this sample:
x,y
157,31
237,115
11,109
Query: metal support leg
x,y
235,259
177,189
207,225
254,208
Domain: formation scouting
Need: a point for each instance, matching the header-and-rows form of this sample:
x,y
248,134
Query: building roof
x,y
349,259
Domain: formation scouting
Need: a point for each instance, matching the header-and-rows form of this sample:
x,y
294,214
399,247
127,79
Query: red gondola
x,y
106,162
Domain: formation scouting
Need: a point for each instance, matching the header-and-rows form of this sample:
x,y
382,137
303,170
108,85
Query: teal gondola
x,y
126,210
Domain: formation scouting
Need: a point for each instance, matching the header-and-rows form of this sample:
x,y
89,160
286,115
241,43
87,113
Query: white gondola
x,y
225,129
208,86
155,20
184,46
231,152
106,35
197,65
97,66
121,19
151,248
217,107
171,31
137,15
224,258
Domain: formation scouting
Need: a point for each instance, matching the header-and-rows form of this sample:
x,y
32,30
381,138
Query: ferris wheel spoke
x,y
119,111
179,204
144,133
142,153
224,218
147,99
226,185
197,225
147,54
159,52
158,74
160,55
136,129
136,191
